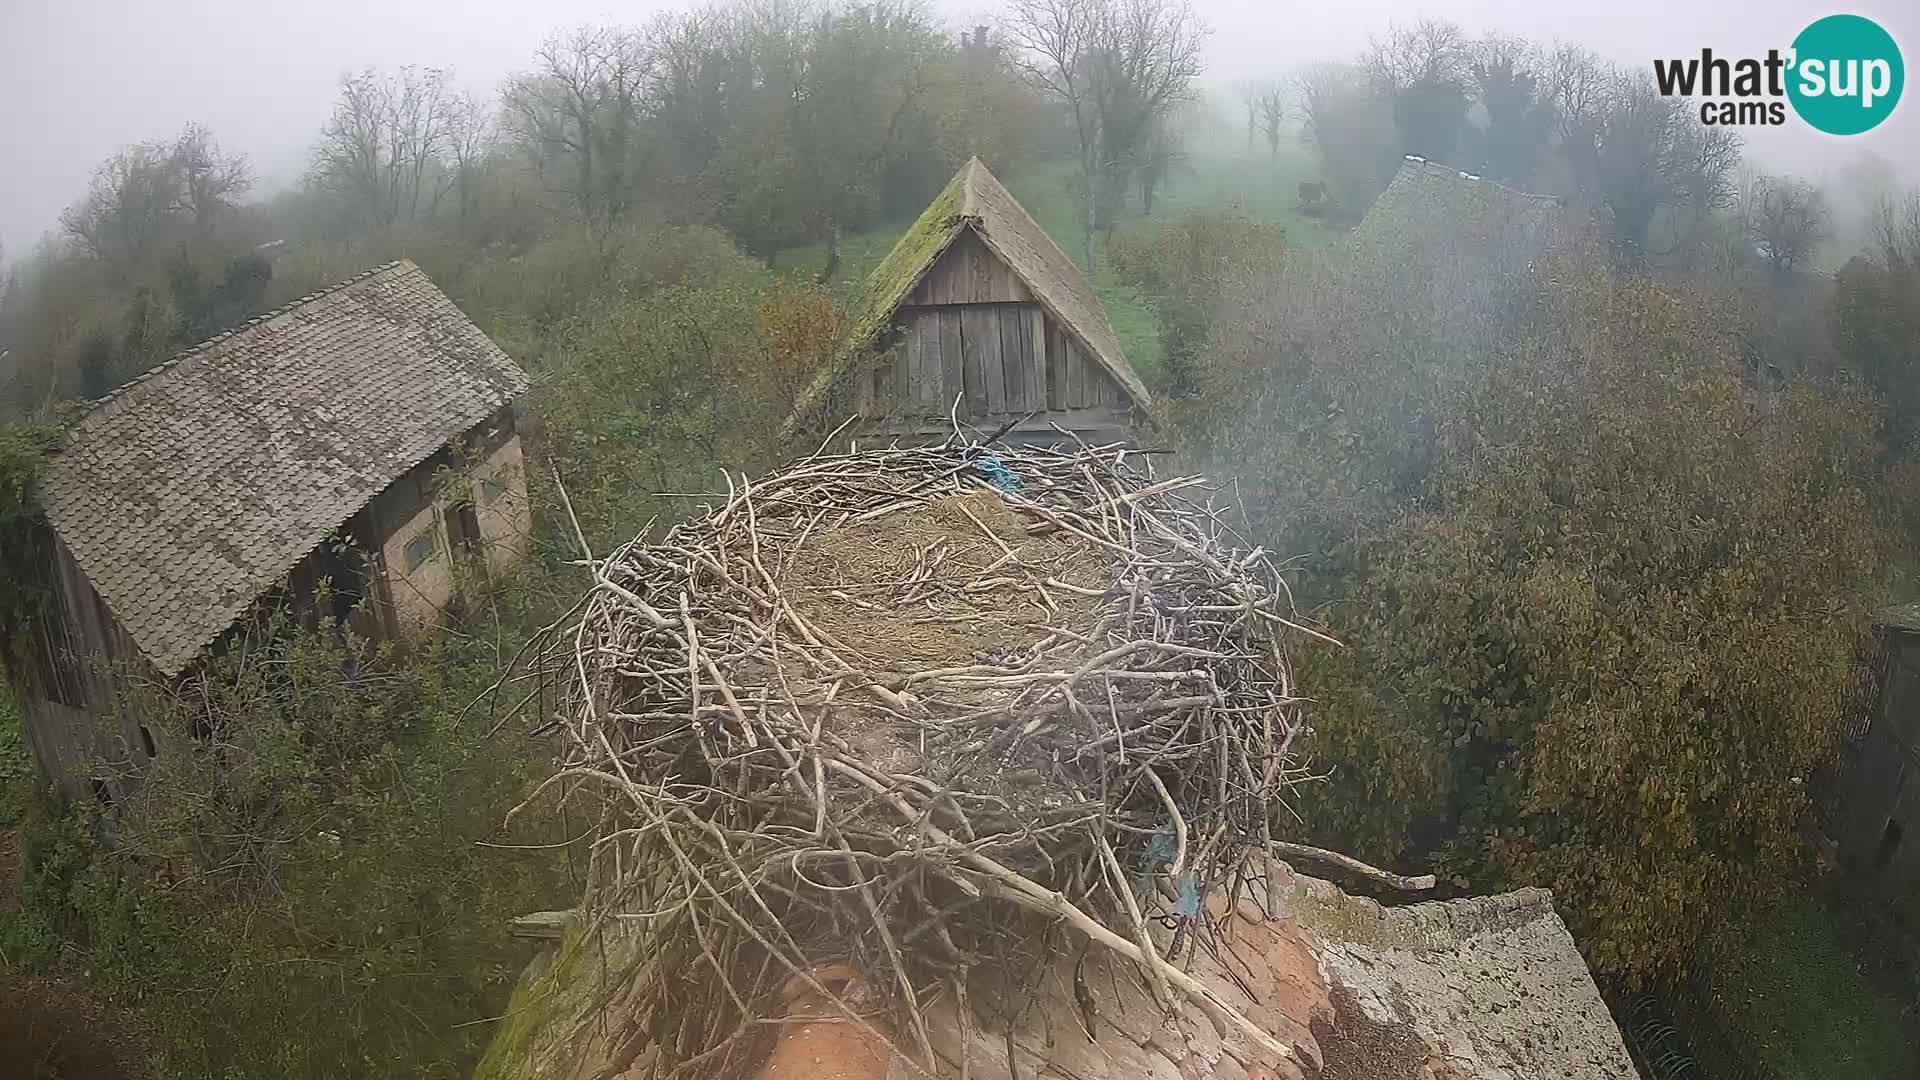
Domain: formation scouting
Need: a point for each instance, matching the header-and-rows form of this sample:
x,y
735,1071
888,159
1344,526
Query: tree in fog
x,y
1422,69
1269,102
1640,154
1117,67
576,115
1876,318
150,198
1518,105
383,153
867,71
1788,218
1351,131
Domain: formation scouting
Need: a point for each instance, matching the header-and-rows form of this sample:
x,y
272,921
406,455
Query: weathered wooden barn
x,y
363,435
977,315
1874,817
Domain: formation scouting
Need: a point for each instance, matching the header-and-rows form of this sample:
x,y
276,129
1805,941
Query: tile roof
x,y
190,491
975,199
1491,988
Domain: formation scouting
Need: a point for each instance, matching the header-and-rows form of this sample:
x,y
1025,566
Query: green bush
x,y
298,886
1601,599
1185,269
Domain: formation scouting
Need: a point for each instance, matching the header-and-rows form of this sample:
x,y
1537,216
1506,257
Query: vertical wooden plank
x,y
886,398
1037,357
1076,375
1056,364
933,362
973,380
985,268
946,334
1012,362
980,327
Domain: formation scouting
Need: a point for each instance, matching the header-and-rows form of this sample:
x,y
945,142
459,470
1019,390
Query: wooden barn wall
x,y
70,714
969,273
972,330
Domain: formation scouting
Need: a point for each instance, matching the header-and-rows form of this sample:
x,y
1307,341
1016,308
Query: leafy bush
x,y
1185,269
296,889
657,389
1602,599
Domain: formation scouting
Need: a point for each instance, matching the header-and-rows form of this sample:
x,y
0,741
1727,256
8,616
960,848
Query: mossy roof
x,y
975,199
1470,216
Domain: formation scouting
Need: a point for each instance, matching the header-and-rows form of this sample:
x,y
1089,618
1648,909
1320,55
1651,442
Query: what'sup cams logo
x,y
1843,75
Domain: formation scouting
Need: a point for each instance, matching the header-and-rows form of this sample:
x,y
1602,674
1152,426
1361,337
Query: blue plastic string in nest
x,y
996,472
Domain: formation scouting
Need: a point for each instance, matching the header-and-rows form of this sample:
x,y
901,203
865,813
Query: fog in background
x,y
82,79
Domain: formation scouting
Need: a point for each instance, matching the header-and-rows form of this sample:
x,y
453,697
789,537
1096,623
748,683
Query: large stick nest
x,y
914,714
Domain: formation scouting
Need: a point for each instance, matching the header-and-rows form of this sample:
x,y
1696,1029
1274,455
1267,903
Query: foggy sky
x,y
79,79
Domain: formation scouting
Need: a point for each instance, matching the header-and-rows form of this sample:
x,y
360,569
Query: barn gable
x,y
978,314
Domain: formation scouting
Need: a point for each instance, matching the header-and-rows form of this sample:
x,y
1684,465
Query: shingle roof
x,y
190,491
975,199
1473,217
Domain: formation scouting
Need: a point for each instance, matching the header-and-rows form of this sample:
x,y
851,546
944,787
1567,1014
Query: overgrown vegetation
x,y
1598,535
300,883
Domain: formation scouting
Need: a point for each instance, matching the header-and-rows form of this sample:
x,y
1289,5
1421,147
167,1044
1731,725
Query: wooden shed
x,y
977,315
363,435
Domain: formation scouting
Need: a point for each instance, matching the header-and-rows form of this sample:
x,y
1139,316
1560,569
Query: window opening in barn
x,y
422,547
146,740
1889,844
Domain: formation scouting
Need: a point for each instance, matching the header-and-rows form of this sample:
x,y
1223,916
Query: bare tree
x,y
1426,51
1788,219
151,197
470,137
1270,102
1896,232
211,183
1350,128
1118,67
1642,155
577,114
1055,39
1247,94
383,151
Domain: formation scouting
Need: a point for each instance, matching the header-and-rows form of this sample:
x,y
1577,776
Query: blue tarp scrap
x,y
997,473
1186,890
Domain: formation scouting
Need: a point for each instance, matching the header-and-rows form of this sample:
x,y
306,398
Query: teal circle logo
x,y
1846,75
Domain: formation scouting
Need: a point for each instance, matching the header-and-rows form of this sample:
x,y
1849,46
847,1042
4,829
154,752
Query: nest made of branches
x,y
911,714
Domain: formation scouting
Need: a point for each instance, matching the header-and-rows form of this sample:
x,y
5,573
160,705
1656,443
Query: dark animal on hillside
x,y
1315,199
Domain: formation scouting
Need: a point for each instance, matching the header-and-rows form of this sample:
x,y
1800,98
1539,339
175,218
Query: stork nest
x,y
912,714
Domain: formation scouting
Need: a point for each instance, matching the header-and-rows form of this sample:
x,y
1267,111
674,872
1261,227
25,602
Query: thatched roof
x,y
1470,217
187,493
976,200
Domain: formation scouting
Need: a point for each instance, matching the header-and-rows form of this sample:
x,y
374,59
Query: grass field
x,y
1264,190
1800,1001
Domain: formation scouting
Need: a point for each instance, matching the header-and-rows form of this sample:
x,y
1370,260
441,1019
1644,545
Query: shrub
x,y
1601,598
1185,269
296,888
